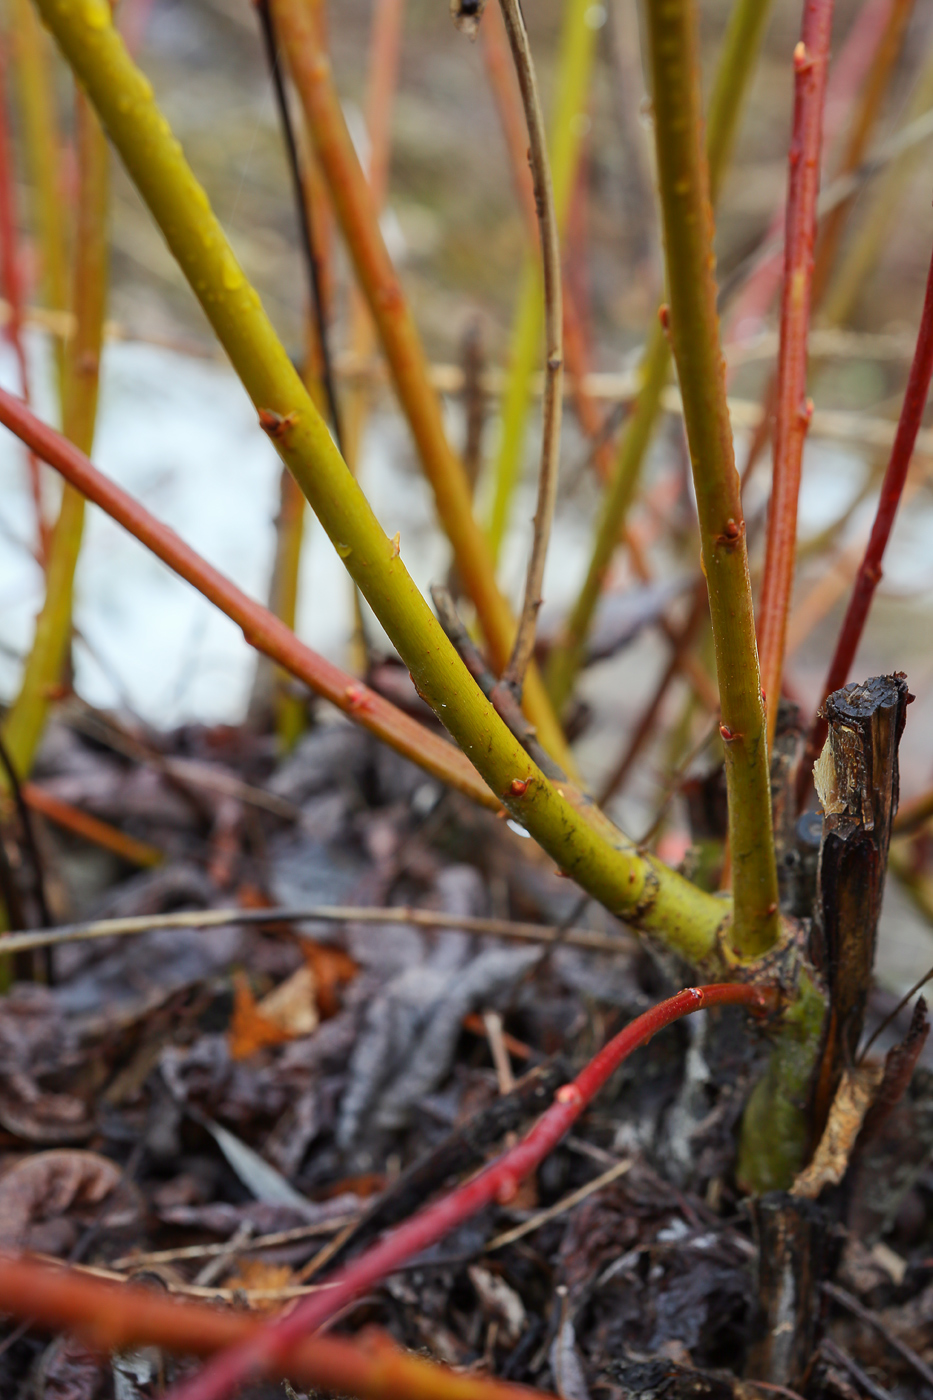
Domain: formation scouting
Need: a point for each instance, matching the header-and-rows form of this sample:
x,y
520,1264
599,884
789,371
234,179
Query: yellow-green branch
x,y
738,56
25,721
591,851
694,330
36,94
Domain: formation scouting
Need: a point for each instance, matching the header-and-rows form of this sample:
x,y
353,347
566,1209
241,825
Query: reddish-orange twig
x,y
811,58
117,1317
498,1182
869,574
260,627
82,824
12,290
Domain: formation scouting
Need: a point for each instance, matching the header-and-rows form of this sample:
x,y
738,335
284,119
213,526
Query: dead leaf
x,y
41,1188
250,1028
258,1275
293,1003
854,1097
332,969
499,1301
68,1370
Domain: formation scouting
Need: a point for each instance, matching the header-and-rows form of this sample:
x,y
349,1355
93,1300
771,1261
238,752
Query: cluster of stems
x,y
587,848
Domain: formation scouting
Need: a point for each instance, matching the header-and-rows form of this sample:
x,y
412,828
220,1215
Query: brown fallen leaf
x,y
854,1097
289,1011
38,1190
249,1030
332,968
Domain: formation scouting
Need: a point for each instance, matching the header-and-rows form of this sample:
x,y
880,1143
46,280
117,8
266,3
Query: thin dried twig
x,y
314,913
212,1251
843,1359
906,1353
559,1207
499,1181
303,210
523,647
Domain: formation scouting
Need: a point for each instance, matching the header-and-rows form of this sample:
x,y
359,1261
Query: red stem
x,y
13,291
869,574
811,59
848,73
498,1182
261,628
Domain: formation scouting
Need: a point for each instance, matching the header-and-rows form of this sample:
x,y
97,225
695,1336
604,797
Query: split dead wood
x,y
857,783
792,1235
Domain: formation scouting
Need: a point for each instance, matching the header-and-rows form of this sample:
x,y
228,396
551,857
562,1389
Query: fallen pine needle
x,y
559,1207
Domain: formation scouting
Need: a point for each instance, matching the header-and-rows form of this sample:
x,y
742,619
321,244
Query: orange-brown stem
x,y
811,59
260,627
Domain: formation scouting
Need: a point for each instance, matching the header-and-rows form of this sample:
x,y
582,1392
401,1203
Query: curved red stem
x,y
499,1181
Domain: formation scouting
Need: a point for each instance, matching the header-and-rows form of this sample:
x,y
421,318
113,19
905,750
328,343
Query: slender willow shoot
x,y
811,60
36,93
497,1182
11,284
895,477
694,331
23,725
523,648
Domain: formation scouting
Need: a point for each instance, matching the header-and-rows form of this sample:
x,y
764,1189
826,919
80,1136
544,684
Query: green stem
x,y
36,91
604,862
25,721
738,55
577,45
567,656
694,330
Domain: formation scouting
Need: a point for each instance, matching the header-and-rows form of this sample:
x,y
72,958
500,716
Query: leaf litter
x,y
229,1112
